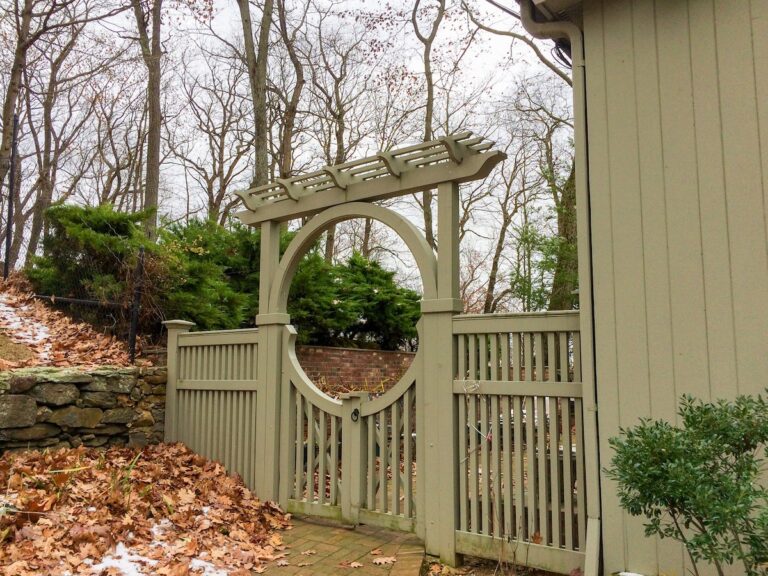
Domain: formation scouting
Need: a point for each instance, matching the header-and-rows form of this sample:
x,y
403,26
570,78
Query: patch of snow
x,y
128,563
207,568
159,529
24,330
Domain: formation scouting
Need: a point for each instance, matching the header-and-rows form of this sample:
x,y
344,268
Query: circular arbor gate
x,y
355,458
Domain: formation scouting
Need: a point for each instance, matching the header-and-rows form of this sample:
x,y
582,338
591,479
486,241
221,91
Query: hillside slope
x,y
34,334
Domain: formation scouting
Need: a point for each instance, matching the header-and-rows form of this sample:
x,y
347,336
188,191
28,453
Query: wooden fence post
x,y
270,366
440,467
353,435
175,328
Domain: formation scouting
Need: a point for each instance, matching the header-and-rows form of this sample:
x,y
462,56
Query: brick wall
x,y
337,370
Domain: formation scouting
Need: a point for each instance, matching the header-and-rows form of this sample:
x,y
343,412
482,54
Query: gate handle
x,y
355,415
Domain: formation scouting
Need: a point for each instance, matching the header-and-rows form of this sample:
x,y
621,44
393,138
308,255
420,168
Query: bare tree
x,y
34,19
215,150
148,16
427,40
60,103
562,189
337,86
256,62
290,39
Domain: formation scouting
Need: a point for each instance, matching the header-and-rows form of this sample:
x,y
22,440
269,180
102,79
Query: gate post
x,y
353,434
438,470
174,327
270,368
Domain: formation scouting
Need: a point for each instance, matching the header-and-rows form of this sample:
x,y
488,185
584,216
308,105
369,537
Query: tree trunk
x,y
367,230
291,108
566,277
151,51
330,244
257,76
14,87
427,41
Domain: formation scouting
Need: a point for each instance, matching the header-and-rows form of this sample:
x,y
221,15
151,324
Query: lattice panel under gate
x,y
390,458
317,453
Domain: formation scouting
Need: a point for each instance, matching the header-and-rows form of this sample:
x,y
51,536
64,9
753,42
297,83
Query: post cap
x,y
178,324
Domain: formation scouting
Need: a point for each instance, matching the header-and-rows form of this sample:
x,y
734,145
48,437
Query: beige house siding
x,y
678,144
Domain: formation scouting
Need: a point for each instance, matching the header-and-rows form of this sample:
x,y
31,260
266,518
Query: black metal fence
x,y
131,309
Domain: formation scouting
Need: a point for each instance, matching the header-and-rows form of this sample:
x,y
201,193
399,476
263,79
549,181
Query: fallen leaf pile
x,y
53,338
164,510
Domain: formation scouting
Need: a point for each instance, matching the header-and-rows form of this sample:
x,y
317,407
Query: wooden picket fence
x,y
518,443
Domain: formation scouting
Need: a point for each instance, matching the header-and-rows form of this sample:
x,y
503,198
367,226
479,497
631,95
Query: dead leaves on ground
x,y
66,343
66,510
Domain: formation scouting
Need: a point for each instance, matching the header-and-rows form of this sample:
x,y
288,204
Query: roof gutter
x,y
567,30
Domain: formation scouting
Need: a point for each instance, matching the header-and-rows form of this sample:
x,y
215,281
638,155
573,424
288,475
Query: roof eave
x,y
553,10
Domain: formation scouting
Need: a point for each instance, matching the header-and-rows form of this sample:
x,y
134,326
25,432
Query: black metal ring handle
x,y
355,415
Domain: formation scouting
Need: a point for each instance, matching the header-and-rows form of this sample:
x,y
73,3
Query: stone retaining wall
x,y
55,407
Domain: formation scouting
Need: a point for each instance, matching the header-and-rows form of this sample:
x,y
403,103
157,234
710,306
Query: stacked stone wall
x,y
55,407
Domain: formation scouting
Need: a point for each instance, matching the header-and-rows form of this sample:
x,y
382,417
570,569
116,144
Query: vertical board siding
x,y
677,94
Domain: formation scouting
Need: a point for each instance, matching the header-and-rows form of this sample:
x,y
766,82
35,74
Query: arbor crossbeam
x,y
459,157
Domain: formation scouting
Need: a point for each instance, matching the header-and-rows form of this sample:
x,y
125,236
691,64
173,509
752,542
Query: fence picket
x,y
519,511
371,491
323,456
408,427
383,460
474,486
495,469
485,471
463,463
395,465
508,455
334,471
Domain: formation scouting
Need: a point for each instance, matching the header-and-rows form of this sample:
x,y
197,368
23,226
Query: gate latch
x,y
355,415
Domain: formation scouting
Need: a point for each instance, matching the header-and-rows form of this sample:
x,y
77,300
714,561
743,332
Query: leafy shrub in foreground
x,y
700,483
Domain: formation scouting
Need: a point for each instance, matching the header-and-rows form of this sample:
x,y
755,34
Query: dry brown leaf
x,y
93,513
384,560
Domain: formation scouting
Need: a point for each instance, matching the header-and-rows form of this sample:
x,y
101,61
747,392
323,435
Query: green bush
x,y
88,252
209,274
700,483
196,282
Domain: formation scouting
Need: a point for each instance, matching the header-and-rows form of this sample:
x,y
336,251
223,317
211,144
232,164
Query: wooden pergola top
x,y
384,175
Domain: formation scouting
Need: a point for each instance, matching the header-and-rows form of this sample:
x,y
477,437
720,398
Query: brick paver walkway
x,y
335,547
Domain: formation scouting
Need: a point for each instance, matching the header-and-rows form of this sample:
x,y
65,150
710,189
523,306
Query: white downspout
x,y
557,30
